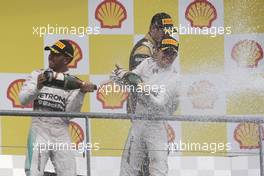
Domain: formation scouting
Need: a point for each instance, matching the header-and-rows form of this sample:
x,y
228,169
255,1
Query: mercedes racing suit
x,y
151,135
142,50
48,134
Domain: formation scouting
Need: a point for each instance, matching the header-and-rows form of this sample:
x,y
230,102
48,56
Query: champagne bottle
x,y
131,78
62,80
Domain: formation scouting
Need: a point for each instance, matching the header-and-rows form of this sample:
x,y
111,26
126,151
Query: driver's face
x,y
56,61
165,59
157,33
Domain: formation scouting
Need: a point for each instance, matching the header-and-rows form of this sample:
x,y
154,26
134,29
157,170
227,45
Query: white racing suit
x,y
49,137
151,135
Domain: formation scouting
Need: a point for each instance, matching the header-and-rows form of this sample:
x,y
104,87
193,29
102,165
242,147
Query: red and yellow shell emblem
x,y
201,13
77,55
111,14
247,53
247,135
202,94
13,93
76,132
110,97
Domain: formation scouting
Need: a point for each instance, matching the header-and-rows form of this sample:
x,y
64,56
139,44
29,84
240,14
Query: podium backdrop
x,y
221,74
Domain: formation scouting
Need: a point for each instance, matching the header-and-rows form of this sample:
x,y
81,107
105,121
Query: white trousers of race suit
x,y
41,135
150,136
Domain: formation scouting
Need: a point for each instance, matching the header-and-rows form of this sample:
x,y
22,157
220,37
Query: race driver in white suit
x,y
148,134
48,130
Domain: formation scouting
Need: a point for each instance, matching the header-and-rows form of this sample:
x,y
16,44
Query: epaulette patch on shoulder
x,y
148,44
143,50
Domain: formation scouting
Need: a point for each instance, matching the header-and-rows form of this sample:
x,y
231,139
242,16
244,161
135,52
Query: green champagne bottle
x,y
131,78
62,80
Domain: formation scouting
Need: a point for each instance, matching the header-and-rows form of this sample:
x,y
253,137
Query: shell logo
x,y
202,94
111,98
77,54
247,53
247,135
76,132
13,93
201,13
111,14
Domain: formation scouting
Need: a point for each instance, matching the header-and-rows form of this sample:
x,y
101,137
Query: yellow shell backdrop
x,y
222,66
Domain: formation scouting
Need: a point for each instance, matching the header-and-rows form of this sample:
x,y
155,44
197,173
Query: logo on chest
x,y
155,71
50,101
